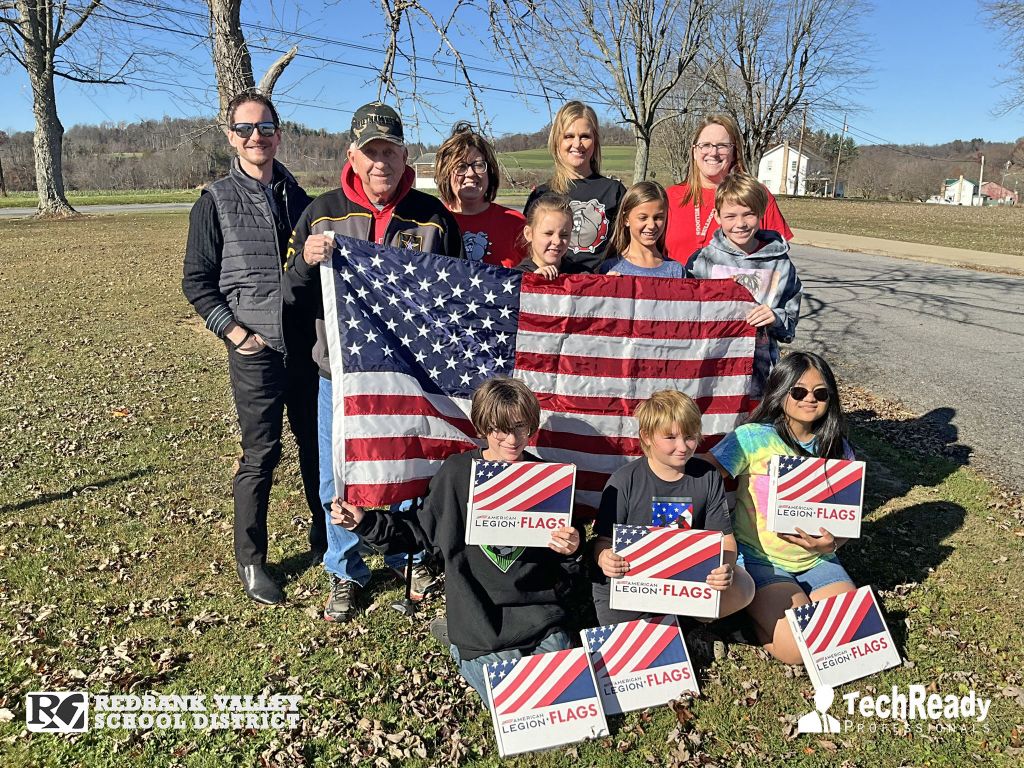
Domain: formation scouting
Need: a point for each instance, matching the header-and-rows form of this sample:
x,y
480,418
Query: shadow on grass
x,y
77,490
908,452
904,546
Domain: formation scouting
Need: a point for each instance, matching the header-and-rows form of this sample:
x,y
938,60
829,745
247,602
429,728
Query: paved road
x,y
929,336
10,213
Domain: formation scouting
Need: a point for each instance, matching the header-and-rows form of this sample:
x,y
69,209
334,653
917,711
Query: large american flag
x,y
634,646
824,481
411,335
839,620
667,553
527,486
541,680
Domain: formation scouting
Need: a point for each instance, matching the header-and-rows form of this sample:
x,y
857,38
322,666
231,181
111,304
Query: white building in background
x,y
959,192
424,167
786,171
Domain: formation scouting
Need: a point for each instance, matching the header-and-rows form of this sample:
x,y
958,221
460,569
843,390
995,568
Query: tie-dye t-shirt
x,y
746,454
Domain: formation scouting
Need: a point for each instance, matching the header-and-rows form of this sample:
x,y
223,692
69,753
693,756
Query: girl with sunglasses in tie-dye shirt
x,y
800,415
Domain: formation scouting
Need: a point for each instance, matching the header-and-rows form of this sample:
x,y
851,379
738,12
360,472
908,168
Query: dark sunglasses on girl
x,y
245,129
799,393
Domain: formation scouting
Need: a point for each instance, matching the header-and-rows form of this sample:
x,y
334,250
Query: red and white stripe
x,y
665,552
633,645
816,480
591,348
521,486
538,680
836,620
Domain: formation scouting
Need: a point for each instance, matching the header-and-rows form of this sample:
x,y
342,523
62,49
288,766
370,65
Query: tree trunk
x,y
643,151
3,182
231,62
48,139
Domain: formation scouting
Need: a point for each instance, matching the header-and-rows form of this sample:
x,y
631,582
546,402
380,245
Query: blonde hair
x,y
549,202
640,193
502,404
570,112
738,165
664,409
742,189
452,152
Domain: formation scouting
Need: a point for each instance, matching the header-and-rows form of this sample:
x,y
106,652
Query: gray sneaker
x,y
341,602
426,578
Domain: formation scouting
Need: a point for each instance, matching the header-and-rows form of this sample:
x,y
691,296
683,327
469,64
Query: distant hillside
x,y
187,153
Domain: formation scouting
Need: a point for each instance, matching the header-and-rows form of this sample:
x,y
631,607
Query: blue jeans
x,y
828,571
344,557
473,669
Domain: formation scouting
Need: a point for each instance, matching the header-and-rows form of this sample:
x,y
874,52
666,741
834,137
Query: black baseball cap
x,y
376,120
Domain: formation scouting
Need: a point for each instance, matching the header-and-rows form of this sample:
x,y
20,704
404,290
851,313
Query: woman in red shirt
x,y
717,151
466,171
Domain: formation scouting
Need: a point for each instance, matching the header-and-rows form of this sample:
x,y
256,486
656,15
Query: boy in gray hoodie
x,y
758,259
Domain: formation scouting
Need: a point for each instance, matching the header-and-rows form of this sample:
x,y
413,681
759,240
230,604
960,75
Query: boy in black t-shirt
x,y
502,603
668,480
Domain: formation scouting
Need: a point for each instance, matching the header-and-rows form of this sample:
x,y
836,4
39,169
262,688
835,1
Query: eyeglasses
x,y
245,129
479,168
517,430
821,394
707,146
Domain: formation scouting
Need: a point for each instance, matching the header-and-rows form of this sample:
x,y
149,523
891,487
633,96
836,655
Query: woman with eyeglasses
x,y
716,151
466,171
800,415
575,146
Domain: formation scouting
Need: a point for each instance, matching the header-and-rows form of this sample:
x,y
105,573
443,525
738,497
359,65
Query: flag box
x,y
843,638
518,504
638,664
668,570
543,701
811,493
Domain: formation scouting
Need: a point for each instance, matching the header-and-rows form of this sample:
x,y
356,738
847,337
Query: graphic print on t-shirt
x,y
589,225
502,557
763,284
477,245
672,510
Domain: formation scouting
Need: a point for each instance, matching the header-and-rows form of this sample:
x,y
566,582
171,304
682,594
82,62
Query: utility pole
x,y
981,173
800,154
839,156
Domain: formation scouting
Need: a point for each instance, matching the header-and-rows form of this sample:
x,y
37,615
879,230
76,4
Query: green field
x,y
116,570
106,197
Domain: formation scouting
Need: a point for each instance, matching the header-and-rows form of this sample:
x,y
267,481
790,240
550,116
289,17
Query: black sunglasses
x,y
799,393
245,129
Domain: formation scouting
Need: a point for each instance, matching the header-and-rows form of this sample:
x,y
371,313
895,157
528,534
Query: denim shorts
x,y
828,571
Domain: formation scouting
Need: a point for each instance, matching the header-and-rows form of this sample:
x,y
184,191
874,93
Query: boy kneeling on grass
x,y
502,602
669,427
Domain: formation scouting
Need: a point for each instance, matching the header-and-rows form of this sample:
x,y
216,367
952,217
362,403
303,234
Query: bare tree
x,y
32,33
1007,17
767,57
4,139
232,63
630,54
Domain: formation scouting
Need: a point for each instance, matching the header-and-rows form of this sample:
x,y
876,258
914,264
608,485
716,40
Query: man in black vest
x,y
238,236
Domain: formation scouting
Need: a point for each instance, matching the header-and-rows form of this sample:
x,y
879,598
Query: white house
x,y
424,167
786,171
959,192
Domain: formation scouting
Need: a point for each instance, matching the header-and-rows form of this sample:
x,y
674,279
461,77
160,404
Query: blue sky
x,y
915,93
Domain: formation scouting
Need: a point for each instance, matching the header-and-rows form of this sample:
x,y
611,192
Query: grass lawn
x,y
993,228
106,197
116,571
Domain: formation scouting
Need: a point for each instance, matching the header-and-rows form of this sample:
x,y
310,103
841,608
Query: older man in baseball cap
x,y
377,203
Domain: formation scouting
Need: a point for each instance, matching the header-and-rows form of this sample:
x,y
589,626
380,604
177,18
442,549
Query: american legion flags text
x,y
843,638
411,335
640,663
811,493
520,504
542,701
668,570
